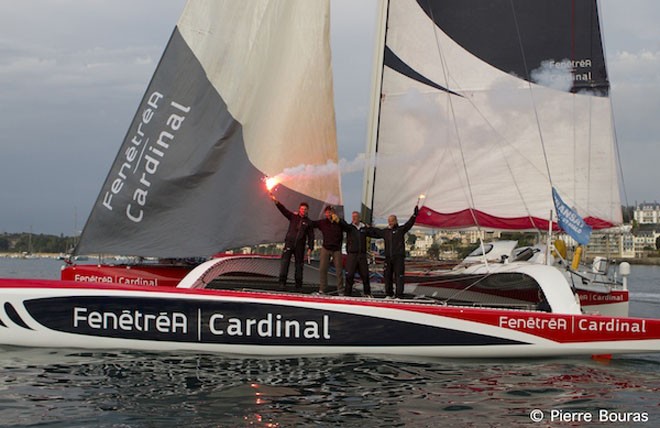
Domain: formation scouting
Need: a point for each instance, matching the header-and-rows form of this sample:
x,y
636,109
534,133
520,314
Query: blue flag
x,y
570,221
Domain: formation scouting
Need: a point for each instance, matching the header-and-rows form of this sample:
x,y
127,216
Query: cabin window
x,y
477,252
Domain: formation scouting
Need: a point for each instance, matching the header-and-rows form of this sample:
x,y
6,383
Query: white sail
x,y
485,107
270,62
243,91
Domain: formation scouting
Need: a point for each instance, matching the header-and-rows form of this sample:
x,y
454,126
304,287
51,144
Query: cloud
x,y
71,76
635,94
642,67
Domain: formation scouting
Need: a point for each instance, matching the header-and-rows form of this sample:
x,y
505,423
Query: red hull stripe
x,y
163,276
590,298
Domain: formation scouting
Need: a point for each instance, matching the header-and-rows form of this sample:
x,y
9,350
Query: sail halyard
x,y
243,91
497,124
528,78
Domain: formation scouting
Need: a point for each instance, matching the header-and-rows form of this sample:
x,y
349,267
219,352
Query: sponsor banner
x,y
157,276
188,320
588,298
567,328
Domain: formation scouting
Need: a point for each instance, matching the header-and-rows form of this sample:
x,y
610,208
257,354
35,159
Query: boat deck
x,y
266,284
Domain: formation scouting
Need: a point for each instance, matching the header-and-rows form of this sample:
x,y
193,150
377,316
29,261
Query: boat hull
x,y
139,274
610,302
613,303
67,314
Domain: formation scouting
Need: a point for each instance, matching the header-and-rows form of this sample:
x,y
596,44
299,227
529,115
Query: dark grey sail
x,y
188,180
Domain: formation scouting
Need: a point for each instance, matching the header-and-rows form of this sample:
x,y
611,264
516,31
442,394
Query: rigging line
x,y
502,139
492,127
479,280
591,104
463,290
455,123
531,92
473,213
437,170
372,152
574,148
618,158
616,142
590,153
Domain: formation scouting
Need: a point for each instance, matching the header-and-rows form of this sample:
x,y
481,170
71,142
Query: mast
x,y
374,117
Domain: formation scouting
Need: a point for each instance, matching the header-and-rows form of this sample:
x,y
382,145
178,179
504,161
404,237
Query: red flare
x,y
271,182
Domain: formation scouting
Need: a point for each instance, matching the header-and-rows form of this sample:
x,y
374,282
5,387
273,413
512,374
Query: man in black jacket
x,y
333,237
395,251
300,231
356,259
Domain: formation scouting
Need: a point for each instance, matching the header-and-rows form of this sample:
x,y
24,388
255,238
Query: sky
x,y
72,73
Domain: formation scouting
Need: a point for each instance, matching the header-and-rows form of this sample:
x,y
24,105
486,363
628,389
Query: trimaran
x,y
474,107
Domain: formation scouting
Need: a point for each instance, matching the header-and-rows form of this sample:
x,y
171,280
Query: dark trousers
x,y
394,268
324,266
357,262
299,253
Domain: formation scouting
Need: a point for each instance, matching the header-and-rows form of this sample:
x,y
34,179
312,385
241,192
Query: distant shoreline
x,y
646,261
30,256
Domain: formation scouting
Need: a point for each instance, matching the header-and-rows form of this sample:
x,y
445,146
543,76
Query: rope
x,y
469,194
531,93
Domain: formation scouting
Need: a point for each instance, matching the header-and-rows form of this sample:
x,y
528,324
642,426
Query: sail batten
x,y
521,105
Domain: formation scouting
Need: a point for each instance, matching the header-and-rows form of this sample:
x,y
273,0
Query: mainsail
x,y
485,107
242,91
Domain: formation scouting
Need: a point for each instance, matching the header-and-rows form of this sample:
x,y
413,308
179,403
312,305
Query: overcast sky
x,y
72,73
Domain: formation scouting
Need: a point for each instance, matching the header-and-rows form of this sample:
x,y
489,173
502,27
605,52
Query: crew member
x,y
356,249
333,238
299,235
395,251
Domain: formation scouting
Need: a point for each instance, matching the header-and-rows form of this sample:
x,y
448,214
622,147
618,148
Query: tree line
x,y
35,243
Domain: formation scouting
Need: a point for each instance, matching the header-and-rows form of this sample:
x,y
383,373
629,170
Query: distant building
x,y
426,237
615,243
645,238
424,240
647,213
470,236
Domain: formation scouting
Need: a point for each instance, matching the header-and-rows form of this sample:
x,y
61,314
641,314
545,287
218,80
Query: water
x,y
73,388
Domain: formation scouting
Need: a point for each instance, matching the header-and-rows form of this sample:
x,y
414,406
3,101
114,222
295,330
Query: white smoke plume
x,y
307,171
554,74
422,109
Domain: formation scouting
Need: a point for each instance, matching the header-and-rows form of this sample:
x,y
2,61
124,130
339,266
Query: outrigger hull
x,y
41,313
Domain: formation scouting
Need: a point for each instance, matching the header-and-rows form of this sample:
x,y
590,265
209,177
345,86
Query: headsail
x,y
485,106
243,91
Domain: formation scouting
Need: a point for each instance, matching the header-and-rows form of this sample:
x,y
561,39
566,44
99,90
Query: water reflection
x,y
62,388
